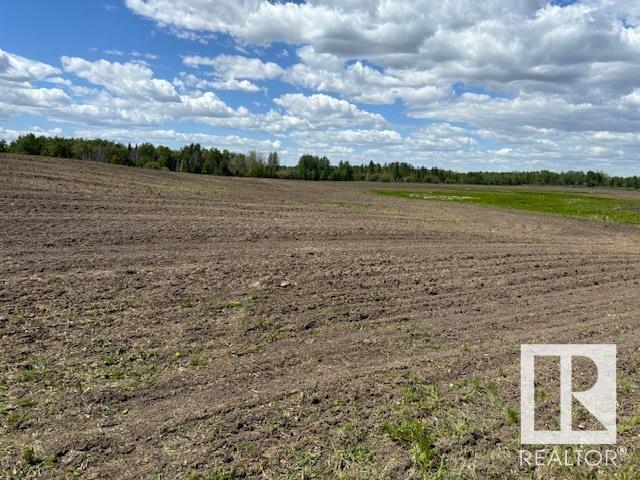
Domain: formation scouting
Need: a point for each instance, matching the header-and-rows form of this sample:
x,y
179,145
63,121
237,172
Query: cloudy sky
x,y
462,84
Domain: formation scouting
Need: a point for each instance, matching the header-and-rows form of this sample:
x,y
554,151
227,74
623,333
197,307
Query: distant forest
x,y
194,158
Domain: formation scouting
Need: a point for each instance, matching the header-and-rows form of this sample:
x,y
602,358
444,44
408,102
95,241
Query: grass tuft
x,y
415,433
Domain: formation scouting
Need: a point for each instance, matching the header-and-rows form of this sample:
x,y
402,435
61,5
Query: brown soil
x,y
156,325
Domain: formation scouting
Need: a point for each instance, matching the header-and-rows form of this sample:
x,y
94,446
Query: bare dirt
x,y
163,325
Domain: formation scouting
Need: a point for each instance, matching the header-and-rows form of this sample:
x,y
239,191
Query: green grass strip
x,y
557,203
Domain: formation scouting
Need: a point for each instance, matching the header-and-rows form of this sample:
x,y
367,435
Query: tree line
x,y
194,158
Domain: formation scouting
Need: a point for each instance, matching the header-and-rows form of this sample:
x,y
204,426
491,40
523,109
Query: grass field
x,y
584,205
174,326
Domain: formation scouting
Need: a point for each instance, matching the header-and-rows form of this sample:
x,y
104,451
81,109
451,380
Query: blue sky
x,y
493,86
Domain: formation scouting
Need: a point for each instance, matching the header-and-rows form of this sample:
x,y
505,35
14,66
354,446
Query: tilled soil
x,y
163,325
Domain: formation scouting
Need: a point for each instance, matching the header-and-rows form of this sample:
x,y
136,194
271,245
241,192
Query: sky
x,y
493,85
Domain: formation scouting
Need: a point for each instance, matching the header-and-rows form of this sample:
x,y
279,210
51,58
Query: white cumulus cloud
x,y
124,79
236,66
